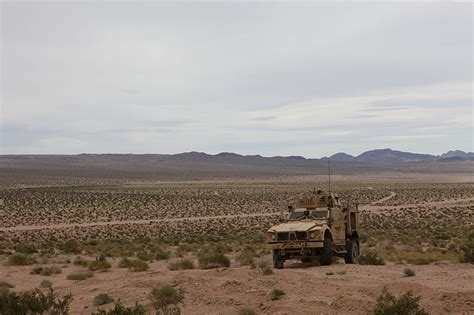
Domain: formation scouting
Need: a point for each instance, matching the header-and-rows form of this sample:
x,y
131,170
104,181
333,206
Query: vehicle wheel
x,y
326,255
352,249
278,261
306,259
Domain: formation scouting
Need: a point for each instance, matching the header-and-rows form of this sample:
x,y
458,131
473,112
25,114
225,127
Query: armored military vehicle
x,y
317,225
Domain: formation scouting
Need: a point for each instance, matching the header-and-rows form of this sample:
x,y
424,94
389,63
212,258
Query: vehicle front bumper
x,y
295,245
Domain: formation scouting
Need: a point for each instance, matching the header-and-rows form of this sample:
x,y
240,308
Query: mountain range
x,y
389,156
225,164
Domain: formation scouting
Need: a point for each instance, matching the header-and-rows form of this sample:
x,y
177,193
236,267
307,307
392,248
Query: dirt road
x,y
372,207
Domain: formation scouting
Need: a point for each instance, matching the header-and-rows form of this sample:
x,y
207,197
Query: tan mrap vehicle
x,y
316,225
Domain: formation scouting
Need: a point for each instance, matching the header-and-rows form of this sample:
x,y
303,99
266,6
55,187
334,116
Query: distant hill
x,y
202,165
391,157
457,154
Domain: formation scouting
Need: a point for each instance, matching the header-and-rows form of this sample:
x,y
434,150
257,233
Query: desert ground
x,y
409,221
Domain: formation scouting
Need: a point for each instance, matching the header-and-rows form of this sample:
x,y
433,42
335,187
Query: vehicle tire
x,y
326,255
278,261
352,248
306,260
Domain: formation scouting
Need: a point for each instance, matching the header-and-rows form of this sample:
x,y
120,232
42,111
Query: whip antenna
x,y
329,174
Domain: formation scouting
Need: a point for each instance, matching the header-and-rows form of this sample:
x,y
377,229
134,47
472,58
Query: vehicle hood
x,y
296,226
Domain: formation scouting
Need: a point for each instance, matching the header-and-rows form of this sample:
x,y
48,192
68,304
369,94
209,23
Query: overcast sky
x,y
307,79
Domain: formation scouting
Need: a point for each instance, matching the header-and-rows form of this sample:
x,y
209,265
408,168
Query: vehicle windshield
x,y
313,214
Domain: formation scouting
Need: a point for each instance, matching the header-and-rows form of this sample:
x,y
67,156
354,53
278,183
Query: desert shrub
x,y
166,299
19,259
79,261
409,272
421,261
33,302
145,256
181,264
138,265
468,250
247,255
213,260
119,309
99,264
125,263
277,294
46,284
102,299
71,247
43,259
246,311
160,254
370,258
37,271
265,267
46,271
133,264
5,286
80,276
407,304
25,248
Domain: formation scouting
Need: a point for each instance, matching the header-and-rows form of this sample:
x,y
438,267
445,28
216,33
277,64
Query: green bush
x,y
99,264
166,298
71,247
468,250
19,259
33,302
80,276
406,304
145,256
421,261
37,271
246,311
46,271
160,254
102,299
133,264
370,258
182,264
25,248
79,261
265,267
246,256
125,263
5,286
46,284
409,272
138,265
213,260
119,309
277,294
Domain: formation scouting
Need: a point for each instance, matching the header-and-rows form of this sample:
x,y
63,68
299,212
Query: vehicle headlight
x,y
272,235
312,235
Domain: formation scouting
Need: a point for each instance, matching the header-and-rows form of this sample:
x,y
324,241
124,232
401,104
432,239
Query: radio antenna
x,y
329,174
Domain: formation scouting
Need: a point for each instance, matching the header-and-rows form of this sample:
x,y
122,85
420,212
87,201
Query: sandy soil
x,y
444,287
